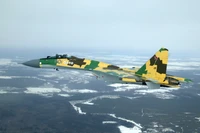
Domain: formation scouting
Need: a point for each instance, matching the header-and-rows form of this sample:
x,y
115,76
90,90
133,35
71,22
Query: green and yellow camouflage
x,y
153,73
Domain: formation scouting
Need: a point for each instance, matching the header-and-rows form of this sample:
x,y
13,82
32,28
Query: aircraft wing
x,y
124,75
111,72
116,75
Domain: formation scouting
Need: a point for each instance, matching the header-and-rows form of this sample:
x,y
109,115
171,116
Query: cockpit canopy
x,y
58,56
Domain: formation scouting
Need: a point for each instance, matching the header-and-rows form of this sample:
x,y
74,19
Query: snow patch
x,y
164,96
77,109
197,118
3,92
79,91
124,129
126,87
29,77
150,130
42,91
64,95
109,122
132,97
88,103
155,124
5,62
71,76
130,121
167,130
5,77
159,93
187,113
68,90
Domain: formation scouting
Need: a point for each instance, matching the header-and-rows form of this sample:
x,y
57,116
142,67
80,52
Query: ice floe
x,y
124,129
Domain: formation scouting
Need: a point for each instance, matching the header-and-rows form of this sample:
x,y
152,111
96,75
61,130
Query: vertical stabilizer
x,y
155,68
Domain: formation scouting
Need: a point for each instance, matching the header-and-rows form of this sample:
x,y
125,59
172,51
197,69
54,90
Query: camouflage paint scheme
x,y
153,72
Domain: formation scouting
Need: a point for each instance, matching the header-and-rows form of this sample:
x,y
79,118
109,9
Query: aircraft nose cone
x,y
32,63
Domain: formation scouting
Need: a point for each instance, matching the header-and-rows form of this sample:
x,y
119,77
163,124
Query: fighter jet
x,y
152,73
